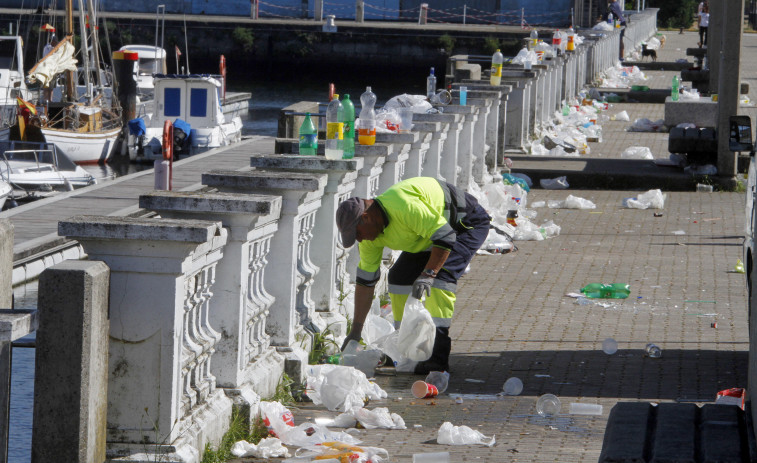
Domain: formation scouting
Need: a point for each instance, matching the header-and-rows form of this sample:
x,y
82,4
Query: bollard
x,y
359,11
423,14
125,67
318,10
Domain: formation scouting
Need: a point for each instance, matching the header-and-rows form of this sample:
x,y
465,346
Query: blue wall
x,y
537,12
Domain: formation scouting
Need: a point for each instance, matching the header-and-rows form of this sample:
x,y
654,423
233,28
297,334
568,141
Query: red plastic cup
x,y
424,390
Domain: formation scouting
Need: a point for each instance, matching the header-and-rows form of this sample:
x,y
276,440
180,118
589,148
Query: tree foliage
x,y
675,14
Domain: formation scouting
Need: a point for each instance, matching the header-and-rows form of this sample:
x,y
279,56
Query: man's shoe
x,y
427,366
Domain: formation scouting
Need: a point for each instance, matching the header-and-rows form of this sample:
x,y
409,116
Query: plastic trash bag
x,y
450,434
417,332
621,116
646,125
637,152
687,125
379,417
418,103
510,179
525,178
571,202
537,149
339,387
276,417
690,95
525,55
266,448
496,243
652,199
559,183
375,328
339,452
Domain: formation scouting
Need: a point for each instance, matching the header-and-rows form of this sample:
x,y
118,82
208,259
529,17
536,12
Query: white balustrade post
x,y
479,145
432,164
162,394
326,251
448,155
423,14
318,10
359,11
290,272
244,362
464,163
398,162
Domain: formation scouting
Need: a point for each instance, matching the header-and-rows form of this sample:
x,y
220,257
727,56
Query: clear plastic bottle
x,y
571,42
431,85
334,130
609,18
308,137
348,121
534,39
674,89
653,351
366,132
496,74
556,41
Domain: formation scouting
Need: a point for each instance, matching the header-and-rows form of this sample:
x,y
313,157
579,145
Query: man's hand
x,y
354,334
422,285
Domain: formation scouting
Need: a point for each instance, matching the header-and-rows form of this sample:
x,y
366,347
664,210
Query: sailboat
x,y
84,129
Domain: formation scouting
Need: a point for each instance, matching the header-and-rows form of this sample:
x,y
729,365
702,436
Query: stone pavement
x,y
513,319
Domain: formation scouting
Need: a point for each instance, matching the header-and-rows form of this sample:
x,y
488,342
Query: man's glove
x,y
354,334
422,285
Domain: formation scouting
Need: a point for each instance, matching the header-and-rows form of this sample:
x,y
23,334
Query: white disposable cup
x,y
548,405
406,119
436,457
577,408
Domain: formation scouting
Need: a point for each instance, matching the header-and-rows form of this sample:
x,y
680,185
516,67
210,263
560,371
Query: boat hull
x,y
84,147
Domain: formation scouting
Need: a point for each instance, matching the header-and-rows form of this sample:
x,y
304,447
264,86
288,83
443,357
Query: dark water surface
x,y
268,97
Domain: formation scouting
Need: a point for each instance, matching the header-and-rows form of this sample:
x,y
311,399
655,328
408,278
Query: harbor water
x,y
268,97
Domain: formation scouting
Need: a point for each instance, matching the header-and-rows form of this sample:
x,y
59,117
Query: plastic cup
x,y
548,405
463,95
513,386
577,408
609,346
406,119
424,390
440,379
653,351
436,457
527,65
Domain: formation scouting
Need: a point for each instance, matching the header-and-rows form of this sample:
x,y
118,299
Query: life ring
x,y
167,140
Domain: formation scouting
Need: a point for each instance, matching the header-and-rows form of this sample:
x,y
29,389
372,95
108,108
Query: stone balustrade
x,y
224,289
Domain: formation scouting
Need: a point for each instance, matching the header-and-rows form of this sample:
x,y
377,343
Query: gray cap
x,y
347,217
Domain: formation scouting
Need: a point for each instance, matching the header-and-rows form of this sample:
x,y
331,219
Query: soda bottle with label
x,y
366,132
496,73
556,41
348,121
308,137
334,130
674,89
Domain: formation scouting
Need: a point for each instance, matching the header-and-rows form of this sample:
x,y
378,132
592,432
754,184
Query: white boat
x,y
5,191
85,131
40,167
12,83
192,100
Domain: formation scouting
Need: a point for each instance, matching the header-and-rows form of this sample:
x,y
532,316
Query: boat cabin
x,y
11,68
193,98
152,60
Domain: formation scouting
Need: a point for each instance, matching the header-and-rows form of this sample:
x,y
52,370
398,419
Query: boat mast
x,y
84,51
70,79
95,44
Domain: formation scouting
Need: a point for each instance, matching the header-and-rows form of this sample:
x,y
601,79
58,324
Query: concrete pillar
x,y
469,115
291,272
254,9
716,34
359,11
318,10
448,155
420,148
405,153
480,129
729,82
492,152
326,250
71,363
244,362
162,395
6,263
423,14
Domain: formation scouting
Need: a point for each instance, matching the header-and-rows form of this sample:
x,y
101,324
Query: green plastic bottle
x,y
308,137
348,118
602,291
674,89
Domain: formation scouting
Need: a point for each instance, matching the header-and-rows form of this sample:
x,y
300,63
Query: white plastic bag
x,y
277,418
417,332
450,434
379,417
637,152
646,125
266,448
339,387
559,183
571,202
652,199
621,116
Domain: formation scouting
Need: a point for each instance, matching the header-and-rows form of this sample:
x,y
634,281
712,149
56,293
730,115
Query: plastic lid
x,y
336,96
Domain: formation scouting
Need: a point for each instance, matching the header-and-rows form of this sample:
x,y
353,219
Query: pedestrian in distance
x,y
704,23
438,228
617,12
